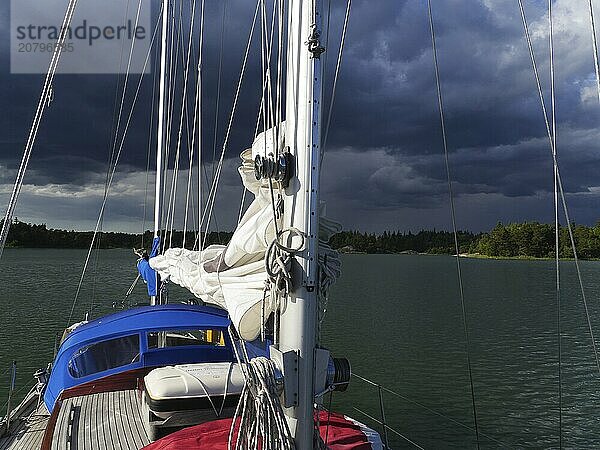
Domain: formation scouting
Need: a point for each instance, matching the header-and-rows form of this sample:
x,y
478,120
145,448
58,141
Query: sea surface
x,y
398,319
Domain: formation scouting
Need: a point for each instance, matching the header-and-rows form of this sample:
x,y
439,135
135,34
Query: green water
x,y
398,319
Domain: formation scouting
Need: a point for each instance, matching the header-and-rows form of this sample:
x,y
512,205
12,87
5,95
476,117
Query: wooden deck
x,y
27,431
102,421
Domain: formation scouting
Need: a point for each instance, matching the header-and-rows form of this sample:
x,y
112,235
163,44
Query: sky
x,y
384,164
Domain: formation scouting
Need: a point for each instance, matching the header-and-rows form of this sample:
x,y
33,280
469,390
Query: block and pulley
x,y
279,169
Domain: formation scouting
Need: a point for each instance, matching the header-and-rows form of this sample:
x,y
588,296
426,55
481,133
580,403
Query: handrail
x,y
386,427
383,422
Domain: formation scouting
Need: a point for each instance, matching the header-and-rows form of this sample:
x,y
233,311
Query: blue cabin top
x,y
129,340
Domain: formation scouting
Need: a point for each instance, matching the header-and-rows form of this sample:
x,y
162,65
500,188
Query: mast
x,y
160,129
303,126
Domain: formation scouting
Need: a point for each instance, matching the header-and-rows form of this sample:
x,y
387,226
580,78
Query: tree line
x,y
537,240
529,239
27,235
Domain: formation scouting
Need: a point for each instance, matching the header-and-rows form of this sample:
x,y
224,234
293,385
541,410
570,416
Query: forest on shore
x,y
27,235
515,240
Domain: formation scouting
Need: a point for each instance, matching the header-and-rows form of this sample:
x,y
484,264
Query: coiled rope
x,y
278,261
262,423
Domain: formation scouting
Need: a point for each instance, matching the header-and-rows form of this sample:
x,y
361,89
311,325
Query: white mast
x,y
161,128
303,126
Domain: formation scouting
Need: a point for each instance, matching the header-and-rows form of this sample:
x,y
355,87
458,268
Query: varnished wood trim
x,y
49,433
119,382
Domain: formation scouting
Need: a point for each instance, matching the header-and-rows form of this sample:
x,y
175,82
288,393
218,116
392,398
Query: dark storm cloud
x,y
384,167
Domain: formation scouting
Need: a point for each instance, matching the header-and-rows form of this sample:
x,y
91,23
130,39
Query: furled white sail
x,y
234,276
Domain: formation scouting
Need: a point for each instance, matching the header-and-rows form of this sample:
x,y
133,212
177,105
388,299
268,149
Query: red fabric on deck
x,y
342,435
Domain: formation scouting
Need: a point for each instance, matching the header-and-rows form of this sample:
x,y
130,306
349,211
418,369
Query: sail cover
x,y
233,276
337,431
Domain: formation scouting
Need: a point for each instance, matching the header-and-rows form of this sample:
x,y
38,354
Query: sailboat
x,y
241,366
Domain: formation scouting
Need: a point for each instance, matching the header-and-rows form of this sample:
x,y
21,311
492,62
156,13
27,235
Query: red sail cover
x,y
341,434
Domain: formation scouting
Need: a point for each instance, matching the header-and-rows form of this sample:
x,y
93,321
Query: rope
x,y
124,302
453,215
124,92
199,124
196,125
560,185
181,120
15,393
278,261
219,79
175,70
556,222
118,155
114,131
262,421
150,135
175,50
335,78
213,191
113,151
327,28
207,394
42,105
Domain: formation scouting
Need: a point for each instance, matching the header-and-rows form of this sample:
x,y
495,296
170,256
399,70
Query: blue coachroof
x,y
120,342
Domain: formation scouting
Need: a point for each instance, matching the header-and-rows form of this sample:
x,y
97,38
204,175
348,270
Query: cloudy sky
x,y
384,166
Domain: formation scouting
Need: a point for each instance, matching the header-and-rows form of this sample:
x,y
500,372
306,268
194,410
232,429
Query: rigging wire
x,y
278,12
182,117
556,221
559,178
595,47
213,191
219,80
114,168
124,92
113,137
177,23
173,54
335,78
150,141
113,147
453,215
428,409
114,129
325,54
42,105
396,432
197,125
558,182
268,118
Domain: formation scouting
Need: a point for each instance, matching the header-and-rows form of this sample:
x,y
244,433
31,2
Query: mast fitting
x,y
314,43
280,169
